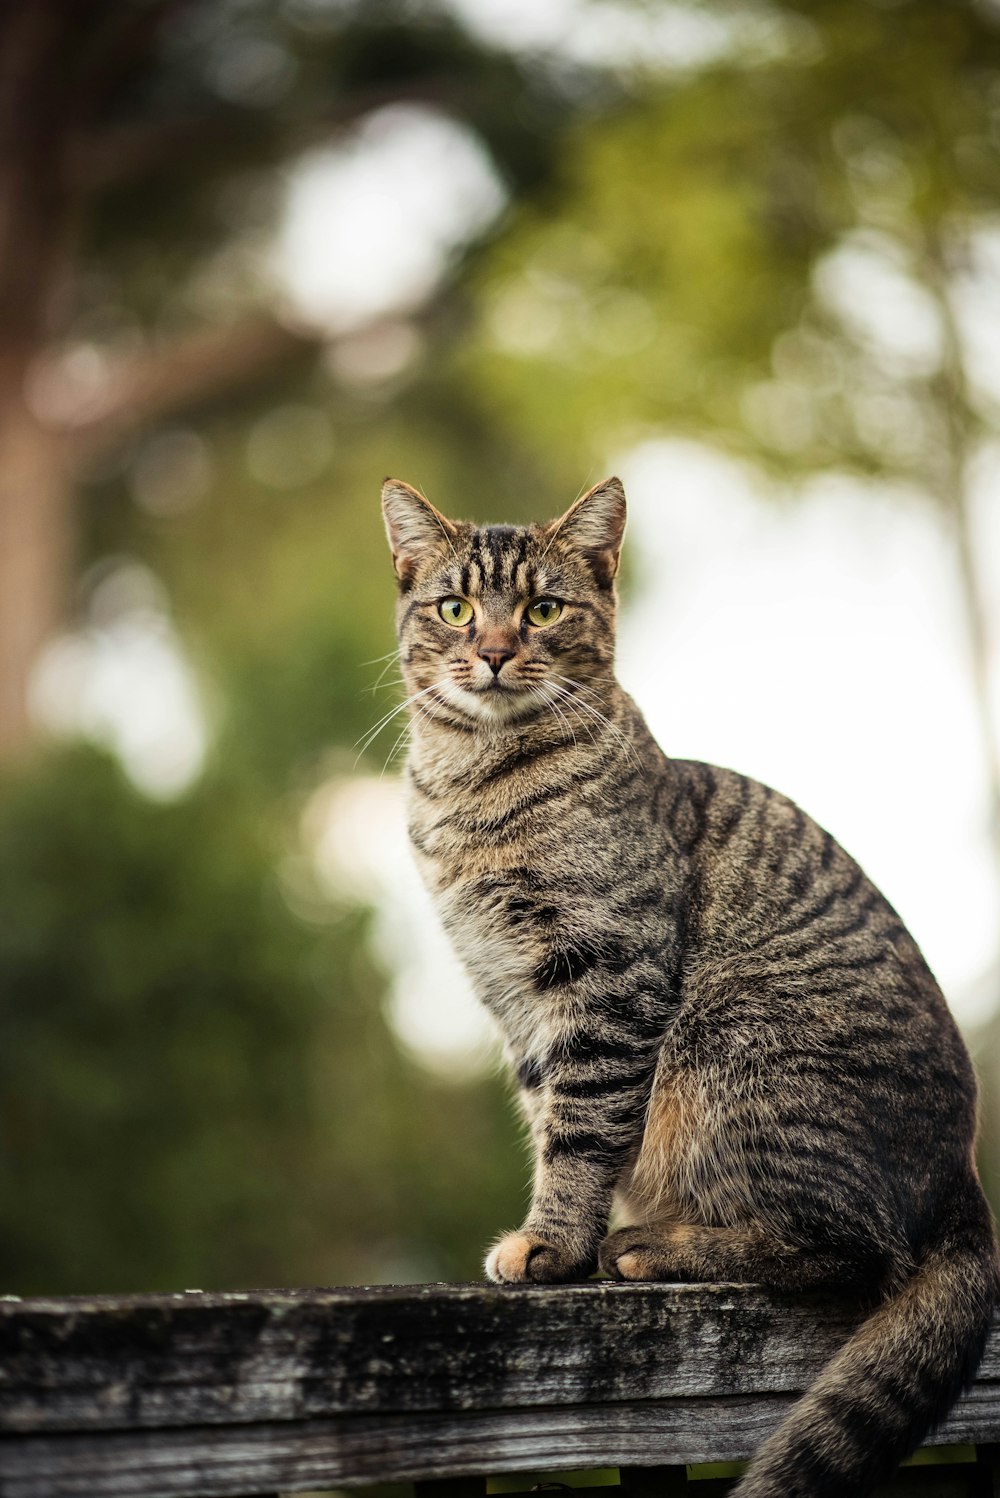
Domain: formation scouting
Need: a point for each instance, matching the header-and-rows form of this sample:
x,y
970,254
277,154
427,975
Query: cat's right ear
x,y
414,527
595,525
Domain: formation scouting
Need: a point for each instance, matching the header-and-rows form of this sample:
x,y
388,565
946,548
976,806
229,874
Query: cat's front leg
x,y
587,1123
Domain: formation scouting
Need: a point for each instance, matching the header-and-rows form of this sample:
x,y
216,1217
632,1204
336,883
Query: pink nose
x,y
495,658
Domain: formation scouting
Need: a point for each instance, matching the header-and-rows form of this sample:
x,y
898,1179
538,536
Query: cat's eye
x,y
544,611
455,611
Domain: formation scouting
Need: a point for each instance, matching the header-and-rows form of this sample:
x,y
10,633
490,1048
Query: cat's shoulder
x,y
728,803
720,782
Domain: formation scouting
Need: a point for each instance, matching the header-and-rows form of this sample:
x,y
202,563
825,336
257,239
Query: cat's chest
x,y
502,959
494,913
498,895
468,844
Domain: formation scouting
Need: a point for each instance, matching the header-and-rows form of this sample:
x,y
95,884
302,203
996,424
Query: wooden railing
x,y
128,1397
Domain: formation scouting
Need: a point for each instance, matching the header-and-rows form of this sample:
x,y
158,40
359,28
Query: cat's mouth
x,y
496,700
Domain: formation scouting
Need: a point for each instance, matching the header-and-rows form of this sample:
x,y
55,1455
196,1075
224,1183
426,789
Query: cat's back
x,y
791,943
767,878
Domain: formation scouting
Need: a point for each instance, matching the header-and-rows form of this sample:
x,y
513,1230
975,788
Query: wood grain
x,y
159,1360
293,1456
236,1394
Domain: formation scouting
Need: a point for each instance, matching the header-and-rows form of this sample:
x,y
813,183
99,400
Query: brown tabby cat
x,y
713,1014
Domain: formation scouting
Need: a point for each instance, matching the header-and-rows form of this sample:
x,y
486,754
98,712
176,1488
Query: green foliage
x,y
226,94
197,1082
196,1087
671,280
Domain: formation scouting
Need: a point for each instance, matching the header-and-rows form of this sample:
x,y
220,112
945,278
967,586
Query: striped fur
x,y
713,1015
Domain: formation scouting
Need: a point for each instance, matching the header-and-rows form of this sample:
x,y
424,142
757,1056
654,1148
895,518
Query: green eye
x,y
544,611
455,611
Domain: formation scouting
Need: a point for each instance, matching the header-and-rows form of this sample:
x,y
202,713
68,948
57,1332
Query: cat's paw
x,y
524,1258
641,1253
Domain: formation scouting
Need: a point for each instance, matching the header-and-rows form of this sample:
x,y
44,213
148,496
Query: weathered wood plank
x,y
148,1361
293,1456
367,1448
234,1394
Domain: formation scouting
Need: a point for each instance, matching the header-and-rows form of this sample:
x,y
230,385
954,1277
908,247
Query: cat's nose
x,y
495,658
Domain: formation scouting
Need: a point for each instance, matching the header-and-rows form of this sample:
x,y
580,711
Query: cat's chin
x,y
494,705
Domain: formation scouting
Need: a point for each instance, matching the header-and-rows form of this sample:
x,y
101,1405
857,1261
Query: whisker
x,y
573,707
384,686
580,686
420,709
387,667
389,657
367,739
369,733
539,692
600,717
572,682
407,730
392,751
377,658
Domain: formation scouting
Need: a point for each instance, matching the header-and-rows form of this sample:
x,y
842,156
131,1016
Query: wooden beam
x,y
356,1450
147,1361
282,1390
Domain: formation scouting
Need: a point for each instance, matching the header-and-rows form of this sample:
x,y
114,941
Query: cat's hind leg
x,y
692,1253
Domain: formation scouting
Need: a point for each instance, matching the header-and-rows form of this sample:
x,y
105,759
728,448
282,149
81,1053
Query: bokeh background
x,y
256,254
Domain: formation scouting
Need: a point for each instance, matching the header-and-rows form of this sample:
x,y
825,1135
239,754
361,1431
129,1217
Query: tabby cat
x,y
715,1018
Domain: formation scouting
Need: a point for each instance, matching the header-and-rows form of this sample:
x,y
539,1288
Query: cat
x,y
714,1017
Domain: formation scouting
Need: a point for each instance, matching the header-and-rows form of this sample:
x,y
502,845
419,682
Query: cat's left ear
x,y
595,525
414,527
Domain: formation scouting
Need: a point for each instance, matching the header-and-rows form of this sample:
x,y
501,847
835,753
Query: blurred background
x,y
256,254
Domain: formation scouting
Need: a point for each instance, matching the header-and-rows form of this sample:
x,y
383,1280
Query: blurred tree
x,y
793,256
123,123
196,1088
198,1084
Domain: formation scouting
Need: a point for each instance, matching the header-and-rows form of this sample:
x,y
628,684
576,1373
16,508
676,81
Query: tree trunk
x,y
35,545
38,216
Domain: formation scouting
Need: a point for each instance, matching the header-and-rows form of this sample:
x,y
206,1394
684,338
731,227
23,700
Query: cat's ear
x,y
594,525
414,527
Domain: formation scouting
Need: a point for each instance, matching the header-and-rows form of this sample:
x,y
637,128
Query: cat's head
x,y
501,623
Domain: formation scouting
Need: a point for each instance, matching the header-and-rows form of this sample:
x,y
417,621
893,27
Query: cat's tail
x,y
897,1376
